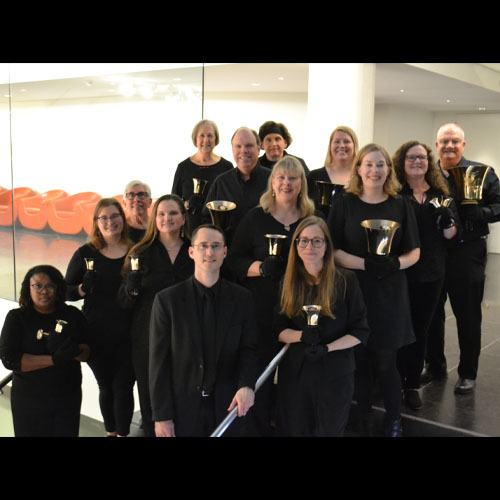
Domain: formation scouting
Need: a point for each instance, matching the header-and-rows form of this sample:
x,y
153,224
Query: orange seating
x,y
8,213
32,210
64,215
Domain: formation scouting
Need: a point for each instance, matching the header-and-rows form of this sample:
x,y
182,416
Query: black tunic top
x,y
431,265
386,299
183,182
46,392
108,321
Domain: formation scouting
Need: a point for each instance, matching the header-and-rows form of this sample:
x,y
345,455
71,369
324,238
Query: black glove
x,y
315,352
134,281
54,341
381,266
273,267
444,218
66,352
472,212
311,335
90,279
195,203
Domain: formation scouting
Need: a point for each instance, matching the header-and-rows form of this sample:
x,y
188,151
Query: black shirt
x,y
265,162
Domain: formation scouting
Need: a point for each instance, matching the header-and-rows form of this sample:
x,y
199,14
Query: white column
x,y
338,94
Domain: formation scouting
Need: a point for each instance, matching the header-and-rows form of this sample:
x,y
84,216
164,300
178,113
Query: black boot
x,y
394,428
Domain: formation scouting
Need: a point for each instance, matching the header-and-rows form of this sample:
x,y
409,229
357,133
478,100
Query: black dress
x,y
321,174
314,397
109,337
45,402
248,245
183,183
158,272
386,299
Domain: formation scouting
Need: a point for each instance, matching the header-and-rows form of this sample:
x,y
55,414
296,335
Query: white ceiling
x,y
422,89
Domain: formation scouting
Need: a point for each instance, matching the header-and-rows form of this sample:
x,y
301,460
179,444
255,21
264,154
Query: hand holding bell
x,y
381,266
56,338
311,334
90,278
472,212
273,267
444,217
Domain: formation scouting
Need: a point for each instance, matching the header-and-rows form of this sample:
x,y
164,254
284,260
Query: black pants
x,y
464,286
113,371
140,358
424,298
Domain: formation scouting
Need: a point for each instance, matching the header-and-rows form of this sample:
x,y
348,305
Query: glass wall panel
x,y
83,131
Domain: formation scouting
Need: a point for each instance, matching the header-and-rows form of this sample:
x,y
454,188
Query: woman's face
x,y
42,293
416,161
169,218
286,186
110,222
314,239
373,170
205,139
342,147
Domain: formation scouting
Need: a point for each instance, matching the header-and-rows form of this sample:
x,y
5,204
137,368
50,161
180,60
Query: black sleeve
x,y
177,184
240,254
491,197
74,275
357,324
248,361
11,341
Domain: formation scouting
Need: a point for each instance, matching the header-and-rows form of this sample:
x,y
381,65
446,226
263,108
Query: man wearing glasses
x,y
202,346
465,267
137,200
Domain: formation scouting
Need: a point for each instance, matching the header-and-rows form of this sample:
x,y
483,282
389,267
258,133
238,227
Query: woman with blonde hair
x,y
283,205
94,275
164,260
316,375
342,148
372,194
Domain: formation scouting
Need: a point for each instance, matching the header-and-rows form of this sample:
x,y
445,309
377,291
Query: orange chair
x,y
63,215
32,210
8,213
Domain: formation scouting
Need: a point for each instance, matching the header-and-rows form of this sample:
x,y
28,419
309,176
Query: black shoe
x,y
412,399
394,429
465,385
428,375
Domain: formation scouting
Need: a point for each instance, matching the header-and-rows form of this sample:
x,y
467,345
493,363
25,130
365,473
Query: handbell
x,y
40,333
441,202
275,244
199,186
134,263
379,233
89,264
469,182
60,325
220,211
326,191
312,313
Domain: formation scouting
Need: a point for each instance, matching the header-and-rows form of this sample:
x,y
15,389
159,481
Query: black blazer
x,y
176,353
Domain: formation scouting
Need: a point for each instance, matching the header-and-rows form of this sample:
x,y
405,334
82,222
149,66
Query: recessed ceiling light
x,y
281,77
448,100
482,109
255,84
402,90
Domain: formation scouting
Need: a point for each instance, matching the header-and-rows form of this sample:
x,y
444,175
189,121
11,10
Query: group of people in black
x,y
194,309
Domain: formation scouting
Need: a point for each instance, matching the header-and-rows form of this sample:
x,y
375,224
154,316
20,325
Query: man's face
x,y
208,250
450,146
245,151
274,146
137,200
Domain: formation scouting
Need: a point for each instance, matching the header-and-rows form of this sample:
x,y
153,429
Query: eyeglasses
x,y
315,242
105,218
413,158
50,288
205,246
141,195
455,142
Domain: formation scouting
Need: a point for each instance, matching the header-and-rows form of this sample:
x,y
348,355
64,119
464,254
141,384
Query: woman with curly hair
x,y
423,183
43,343
372,193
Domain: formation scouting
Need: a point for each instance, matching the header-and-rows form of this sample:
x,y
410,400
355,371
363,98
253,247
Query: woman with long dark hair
x,y
163,257
424,185
316,375
372,194
43,342
94,275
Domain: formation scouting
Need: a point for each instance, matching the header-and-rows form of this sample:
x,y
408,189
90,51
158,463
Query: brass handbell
x,y
60,325
379,233
89,263
220,211
441,202
275,244
134,266
312,312
326,191
40,333
469,182
199,186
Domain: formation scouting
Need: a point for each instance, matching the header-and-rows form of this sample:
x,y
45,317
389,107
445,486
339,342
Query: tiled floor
x,y
443,413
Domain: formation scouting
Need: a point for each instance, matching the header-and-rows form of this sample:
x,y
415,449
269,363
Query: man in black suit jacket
x,y
202,346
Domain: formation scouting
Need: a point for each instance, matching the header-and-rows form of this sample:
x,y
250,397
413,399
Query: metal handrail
x,y
265,374
5,381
